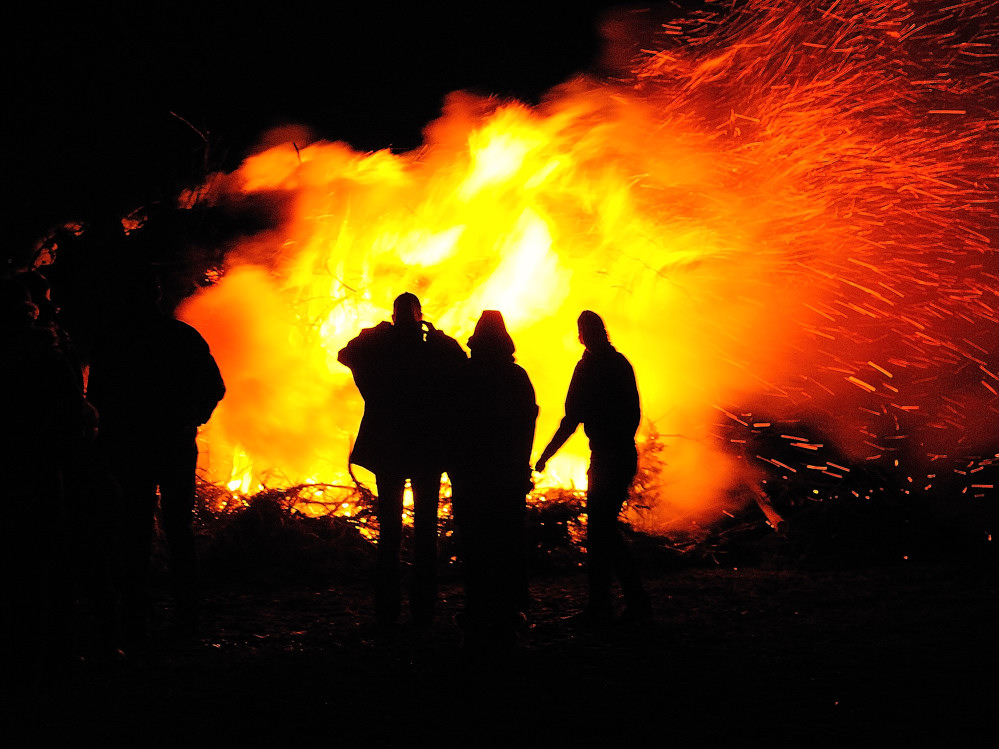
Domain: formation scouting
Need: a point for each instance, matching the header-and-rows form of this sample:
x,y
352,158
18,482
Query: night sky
x,y
105,109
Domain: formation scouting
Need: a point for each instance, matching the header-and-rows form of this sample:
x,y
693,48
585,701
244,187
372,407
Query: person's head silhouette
x,y
491,336
407,312
592,332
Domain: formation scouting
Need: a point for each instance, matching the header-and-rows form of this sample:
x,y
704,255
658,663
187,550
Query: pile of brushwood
x,y
269,540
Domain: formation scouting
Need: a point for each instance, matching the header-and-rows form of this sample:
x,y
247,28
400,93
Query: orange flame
x,y
783,206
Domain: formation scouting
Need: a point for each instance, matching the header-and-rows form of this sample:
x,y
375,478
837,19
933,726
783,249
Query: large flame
x,y
782,210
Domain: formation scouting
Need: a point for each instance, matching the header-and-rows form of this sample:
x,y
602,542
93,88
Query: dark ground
x,y
900,652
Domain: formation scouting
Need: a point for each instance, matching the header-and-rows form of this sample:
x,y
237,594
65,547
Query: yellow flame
x,y
539,214
738,216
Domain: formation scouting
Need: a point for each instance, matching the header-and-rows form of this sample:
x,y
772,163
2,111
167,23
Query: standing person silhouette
x,y
90,495
45,421
490,482
153,381
603,397
405,371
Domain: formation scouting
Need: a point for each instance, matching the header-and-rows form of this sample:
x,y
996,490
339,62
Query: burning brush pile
x,y
786,213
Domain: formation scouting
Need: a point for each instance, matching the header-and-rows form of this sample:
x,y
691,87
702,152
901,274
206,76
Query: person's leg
x,y
133,547
601,527
387,581
423,594
467,508
509,566
607,550
94,511
177,495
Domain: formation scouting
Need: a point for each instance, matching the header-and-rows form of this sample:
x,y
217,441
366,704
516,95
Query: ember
x,y
785,212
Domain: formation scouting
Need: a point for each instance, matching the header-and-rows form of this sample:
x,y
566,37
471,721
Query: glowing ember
x,y
784,215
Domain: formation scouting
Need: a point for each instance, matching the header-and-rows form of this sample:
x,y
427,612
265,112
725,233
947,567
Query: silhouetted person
x,y
89,492
603,397
154,382
45,419
405,371
490,482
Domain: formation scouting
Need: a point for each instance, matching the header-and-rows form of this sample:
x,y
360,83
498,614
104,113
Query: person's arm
x,y
569,423
363,357
565,430
348,355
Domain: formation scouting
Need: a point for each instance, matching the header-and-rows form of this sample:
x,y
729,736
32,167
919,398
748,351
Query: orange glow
x,y
771,210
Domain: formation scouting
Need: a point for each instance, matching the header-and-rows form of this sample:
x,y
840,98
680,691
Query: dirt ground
x,y
903,653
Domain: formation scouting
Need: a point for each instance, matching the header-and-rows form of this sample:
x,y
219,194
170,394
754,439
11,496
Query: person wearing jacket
x,y
603,397
154,381
405,370
490,482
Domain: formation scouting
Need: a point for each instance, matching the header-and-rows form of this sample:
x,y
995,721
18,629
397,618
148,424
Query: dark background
x,y
819,655
107,110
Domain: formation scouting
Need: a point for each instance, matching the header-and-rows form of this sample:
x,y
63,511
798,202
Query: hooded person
x,y
490,484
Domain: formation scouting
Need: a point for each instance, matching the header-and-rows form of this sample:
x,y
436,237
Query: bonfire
x,y
786,212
